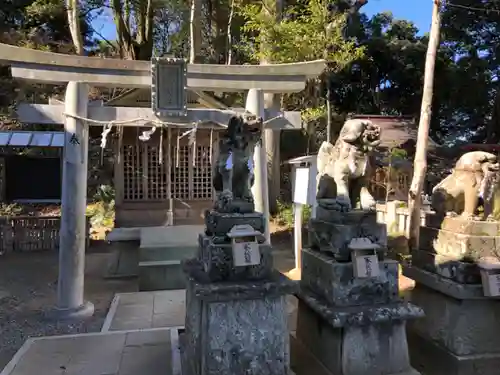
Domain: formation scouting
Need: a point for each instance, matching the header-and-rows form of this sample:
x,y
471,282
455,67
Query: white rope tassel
x,y
146,134
192,143
104,135
160,154
177,151
120,144
211,144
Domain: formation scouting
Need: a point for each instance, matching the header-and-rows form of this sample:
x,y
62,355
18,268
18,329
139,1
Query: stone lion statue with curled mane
x,y
474,181
344,168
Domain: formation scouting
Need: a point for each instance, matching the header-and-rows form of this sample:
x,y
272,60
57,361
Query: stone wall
x,y
395,214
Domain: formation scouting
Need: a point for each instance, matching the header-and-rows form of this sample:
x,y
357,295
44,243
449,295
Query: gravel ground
x,y
28,287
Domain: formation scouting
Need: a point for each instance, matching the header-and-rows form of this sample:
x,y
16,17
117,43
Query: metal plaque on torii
x,y
168,86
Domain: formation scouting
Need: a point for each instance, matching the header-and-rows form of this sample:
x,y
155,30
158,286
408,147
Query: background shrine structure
x,y
171,80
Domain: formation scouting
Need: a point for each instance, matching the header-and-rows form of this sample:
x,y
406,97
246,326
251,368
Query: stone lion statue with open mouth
x,y
344,168
474,179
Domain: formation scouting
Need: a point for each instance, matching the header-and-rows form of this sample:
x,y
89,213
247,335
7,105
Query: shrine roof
x,y
18,138
397,131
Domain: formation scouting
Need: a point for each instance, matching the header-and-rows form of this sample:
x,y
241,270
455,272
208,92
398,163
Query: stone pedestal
x,y
236,317
460,334
352,325
332,232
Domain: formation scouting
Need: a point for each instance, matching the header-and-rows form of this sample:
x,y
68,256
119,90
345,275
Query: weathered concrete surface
x,y
217,260
144,310
179,235
237,328
161,252
219,224
445,266
457,337
457,245
445,285
335,282
124,259
375,348
468,327
334,238
40,66
152,352
71,280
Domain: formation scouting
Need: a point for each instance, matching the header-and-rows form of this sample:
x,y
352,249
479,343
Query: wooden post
x,y
297,235
170,213
70,303
255,105
420,169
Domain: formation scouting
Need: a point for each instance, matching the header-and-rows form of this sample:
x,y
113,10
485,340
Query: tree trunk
x,y
73,14
420,164
230,34
132,45
195,32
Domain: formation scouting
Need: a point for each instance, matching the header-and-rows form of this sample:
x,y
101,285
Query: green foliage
x,y
301,35
10,209
285,215
102,211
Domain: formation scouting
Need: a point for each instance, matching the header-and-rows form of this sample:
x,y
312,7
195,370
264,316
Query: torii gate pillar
x,y
255,105
70,288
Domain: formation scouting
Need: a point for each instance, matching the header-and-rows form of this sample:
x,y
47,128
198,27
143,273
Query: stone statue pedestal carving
x,y
352,325
460,334
332,231
236,316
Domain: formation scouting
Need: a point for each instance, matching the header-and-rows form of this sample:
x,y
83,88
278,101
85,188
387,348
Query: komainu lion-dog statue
x,y
473,180
344,168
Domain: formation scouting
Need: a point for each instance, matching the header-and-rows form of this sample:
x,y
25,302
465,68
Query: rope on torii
x,y
146,134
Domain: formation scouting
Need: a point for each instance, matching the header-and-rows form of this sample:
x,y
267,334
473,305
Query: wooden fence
x,y
31,233
396,216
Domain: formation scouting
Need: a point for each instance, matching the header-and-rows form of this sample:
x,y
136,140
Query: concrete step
x,y
160,267
161,253
150,351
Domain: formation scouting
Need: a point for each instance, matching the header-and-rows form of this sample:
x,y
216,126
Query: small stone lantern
x,y
490,276
244,240
364,257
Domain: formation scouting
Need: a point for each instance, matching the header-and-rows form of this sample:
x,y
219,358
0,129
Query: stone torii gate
x,y
169,106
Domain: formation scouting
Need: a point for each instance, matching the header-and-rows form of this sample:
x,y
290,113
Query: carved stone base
x,y
356,340
461,246
472,227
335,281
237,328
335,238
457,336
219,224
215,263
448,267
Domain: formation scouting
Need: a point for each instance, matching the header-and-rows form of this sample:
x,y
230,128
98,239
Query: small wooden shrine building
x,y
171,163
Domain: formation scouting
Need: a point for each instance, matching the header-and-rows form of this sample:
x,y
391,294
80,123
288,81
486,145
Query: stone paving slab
x,y
152,352
144,310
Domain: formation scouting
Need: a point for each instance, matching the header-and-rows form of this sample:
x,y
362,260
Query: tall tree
x,y
73,12
420,165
